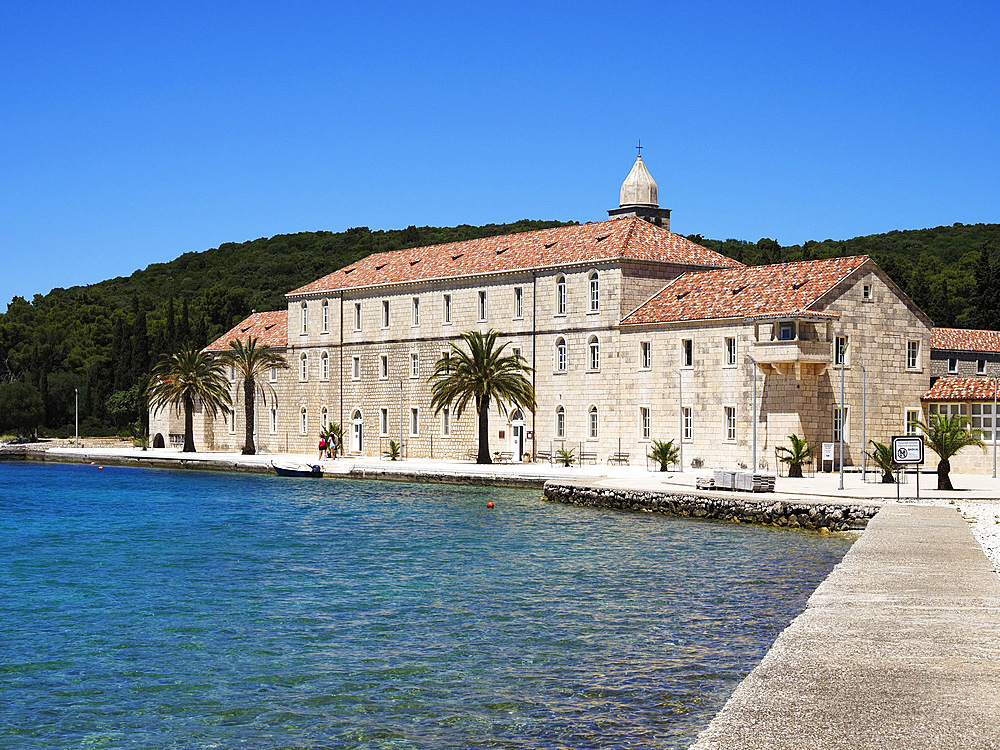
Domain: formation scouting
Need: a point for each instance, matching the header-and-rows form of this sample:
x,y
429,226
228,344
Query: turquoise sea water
x,y
156,609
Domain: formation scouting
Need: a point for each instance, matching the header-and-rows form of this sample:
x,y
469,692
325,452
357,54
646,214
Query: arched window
x,y
304,420
324,418
304,367
592,421
326,316
595,292
560,354
560,295
305,317
560,422
594,353
324,366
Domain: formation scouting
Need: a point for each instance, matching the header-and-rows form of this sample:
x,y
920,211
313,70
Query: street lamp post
x,y
680,412
843,366
994,423
864,420
753,453
76,415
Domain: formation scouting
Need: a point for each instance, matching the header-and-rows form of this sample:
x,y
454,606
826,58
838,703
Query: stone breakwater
x,y
759,509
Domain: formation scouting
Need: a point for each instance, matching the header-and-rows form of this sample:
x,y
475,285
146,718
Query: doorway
x,y
356,431
517,435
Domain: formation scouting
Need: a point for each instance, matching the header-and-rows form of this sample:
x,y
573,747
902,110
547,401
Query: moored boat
x,y
293,469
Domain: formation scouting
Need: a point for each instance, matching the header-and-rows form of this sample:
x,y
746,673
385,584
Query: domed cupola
x,y
638,197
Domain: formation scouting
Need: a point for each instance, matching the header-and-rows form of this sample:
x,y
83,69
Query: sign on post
x,y
908,449
827,456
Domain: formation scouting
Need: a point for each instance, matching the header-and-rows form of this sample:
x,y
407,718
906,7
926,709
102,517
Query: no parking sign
x,y
908,449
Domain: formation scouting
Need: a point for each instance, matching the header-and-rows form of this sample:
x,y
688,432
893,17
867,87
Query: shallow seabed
x,y
147,608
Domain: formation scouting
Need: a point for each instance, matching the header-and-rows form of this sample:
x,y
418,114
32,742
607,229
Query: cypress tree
x,y
140,343
170,333
184,329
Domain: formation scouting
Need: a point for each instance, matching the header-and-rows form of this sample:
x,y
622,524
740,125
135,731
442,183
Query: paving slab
x,y
898,648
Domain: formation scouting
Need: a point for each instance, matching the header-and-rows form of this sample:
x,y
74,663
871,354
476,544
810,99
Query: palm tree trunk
x,y
249,392
188,426
944,475
483,409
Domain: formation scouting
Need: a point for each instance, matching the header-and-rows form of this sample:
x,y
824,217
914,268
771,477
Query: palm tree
x,y
251,362
664,453
800,453
946,436
185,377
881,456
484,374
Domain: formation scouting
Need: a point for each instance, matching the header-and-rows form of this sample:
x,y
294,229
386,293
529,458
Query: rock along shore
x,y
721,506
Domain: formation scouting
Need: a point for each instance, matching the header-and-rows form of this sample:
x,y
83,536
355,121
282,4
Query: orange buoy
x,y
100,467
489,505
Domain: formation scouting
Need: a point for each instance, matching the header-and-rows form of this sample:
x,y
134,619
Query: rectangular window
x,y
324,366
305,317
687,352
730,423
446,309
593,423
445,421
383,366
730,351
687,424
516,351
840,351
980,367
273,375
947,410
383,421
912,417
645,426
232,374
866,292
645,355
356,367
841,418
482,304
786,331
326,316
983,419
385,313
414,421
446,356
274,420
912,355
304,367
414,365
595,293
357,316
416,311
518,302
232,421
952,365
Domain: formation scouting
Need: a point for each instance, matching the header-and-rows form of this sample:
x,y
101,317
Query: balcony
x,y
792,357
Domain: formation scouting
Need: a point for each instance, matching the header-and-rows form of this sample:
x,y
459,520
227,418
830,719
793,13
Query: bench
x,y
543,456
504,457
618,458
586,456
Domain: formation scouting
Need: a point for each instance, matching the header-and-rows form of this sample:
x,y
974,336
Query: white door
x,y
517,435
357,432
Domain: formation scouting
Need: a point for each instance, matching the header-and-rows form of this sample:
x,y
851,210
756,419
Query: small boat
x,y
292,469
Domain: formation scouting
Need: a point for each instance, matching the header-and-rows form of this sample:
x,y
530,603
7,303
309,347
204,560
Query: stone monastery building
x,y
633,334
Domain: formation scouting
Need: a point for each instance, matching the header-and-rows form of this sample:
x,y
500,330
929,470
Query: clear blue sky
x,y
131,133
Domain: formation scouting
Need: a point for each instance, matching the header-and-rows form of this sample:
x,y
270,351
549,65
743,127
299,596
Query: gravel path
x,y
985,521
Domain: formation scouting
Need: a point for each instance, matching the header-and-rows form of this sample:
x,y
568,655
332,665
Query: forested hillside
x,y
103,338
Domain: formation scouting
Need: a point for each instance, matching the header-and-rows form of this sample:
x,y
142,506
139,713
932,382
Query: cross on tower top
x,y
639,146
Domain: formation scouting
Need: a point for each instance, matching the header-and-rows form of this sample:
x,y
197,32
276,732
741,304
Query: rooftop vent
x,y
549,244
682,295
502,250
349,270
456,257
380,267
798,284
414,262
738,289
603,237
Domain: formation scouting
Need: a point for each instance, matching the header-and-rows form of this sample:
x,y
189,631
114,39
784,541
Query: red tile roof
x,y
626,238
758,291
962,340
960,389
270,328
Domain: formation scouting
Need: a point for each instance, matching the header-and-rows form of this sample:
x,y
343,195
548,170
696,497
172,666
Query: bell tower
x,y
638,197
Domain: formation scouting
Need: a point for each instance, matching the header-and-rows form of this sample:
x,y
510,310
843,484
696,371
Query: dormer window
x,y
786,331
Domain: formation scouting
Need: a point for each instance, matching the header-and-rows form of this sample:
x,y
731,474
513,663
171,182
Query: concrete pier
x,y
898,648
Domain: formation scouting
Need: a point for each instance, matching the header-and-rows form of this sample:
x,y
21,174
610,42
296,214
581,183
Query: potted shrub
x,y
664,453
881,456
799,454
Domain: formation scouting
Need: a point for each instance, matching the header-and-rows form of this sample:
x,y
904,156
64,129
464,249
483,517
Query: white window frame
x,y
866,292
593,292
594,354
687,424
445,421
561,294
645,424
414,421
325,307
952,365
687,354
483,306
324,417
518,303
948,409
838,414
911,415
645,355
980,366
357,316
304,367
324,366
593,422
515,351
561,354
446,309
305,318
273,375
841,351
385,314
560,422
913,354
356,367
414,364
383,421
383,367
981,413
416,312
729,355
786,326
729,424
